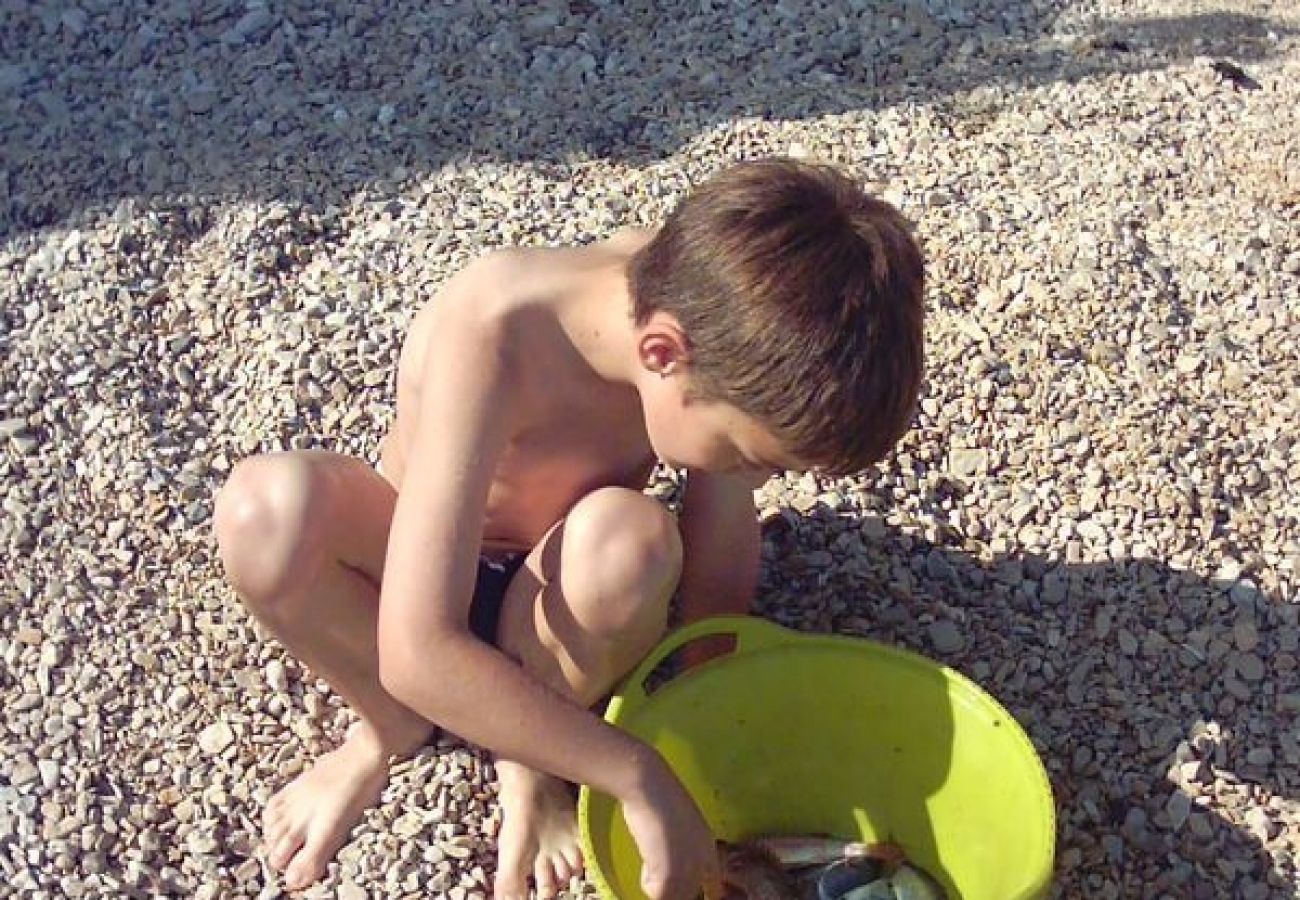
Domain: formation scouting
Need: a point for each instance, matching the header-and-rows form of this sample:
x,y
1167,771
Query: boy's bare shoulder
x,y
494,271
512,273
490,280
481,295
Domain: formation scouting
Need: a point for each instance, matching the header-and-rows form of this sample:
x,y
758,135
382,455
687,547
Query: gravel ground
x,y
218,219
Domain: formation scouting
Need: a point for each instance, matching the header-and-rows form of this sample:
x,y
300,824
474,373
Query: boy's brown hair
x,y
801,300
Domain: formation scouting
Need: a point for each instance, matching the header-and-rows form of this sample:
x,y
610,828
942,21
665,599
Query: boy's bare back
x,y
572,431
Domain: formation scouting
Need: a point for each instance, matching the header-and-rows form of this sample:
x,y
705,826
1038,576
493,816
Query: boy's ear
x,y
662,345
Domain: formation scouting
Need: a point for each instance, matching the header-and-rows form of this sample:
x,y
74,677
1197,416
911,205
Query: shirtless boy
x,y
505,569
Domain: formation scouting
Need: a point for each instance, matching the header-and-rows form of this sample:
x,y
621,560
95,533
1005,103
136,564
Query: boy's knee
x,y
267,519
624,553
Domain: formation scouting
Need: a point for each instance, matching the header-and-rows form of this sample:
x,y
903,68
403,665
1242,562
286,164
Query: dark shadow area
x,y
1181,683
294,102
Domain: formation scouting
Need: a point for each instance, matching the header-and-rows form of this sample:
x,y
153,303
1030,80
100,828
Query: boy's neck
x,y
603,331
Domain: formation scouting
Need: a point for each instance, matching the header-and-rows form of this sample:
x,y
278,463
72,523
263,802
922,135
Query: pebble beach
x,y
218,218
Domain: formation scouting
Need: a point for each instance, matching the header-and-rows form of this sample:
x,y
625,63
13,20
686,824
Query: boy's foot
x,y
539,834
309,820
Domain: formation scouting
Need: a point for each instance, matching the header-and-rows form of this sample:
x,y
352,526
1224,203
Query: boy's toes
x,y
545,877
284,847
307,868
573,856
509,887
563,871
510,883
274,807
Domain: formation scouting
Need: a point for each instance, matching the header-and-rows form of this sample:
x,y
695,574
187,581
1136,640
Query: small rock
x,y
946,638
1229,571
1250,666
276,676
1260,824
1128,644
201,99
350,890
216,738
1114,847
1201,826
1260,756
1244,591
967,462
251,26
1194,772
23,773
1178,807
1135,826
1091,530
938,567
1054,588
1245,635
456,849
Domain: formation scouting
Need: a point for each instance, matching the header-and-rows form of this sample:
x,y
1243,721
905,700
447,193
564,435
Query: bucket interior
x,y
851,738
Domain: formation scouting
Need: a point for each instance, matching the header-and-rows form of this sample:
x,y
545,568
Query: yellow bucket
x,y
805,734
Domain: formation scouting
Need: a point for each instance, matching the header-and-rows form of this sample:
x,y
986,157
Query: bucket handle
x,y
751,633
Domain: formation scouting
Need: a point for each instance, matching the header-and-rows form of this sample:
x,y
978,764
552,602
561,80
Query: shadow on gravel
x,y
1146,660
285,100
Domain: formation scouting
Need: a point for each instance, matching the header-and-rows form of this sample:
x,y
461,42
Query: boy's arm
x,y
427,657
720,542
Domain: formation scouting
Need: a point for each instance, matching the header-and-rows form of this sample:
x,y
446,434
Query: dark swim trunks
x,y
494,575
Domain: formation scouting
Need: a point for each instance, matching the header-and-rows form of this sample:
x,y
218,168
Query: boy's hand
x,y
678,852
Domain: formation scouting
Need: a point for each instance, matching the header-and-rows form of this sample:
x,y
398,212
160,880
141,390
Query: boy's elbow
x,y
406,675
394,676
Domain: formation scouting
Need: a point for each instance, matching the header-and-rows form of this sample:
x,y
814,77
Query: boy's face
x,y
689,432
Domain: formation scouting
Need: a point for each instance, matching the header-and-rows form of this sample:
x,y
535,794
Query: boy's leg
x,y
303,537
589,603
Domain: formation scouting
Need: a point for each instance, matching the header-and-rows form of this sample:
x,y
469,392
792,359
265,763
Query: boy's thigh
x,y
340,502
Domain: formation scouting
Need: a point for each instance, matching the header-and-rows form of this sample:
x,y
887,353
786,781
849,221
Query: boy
x,y
505,569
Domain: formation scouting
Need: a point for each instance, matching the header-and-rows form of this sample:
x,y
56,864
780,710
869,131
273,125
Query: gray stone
x,y
201,99
1177,808
1249,666
1260,756
946,637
